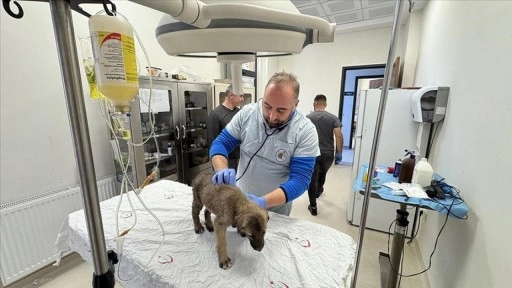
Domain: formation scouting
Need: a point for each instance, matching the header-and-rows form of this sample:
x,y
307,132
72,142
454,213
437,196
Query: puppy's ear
x,y
240,222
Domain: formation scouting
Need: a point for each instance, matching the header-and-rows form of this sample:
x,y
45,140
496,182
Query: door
x,y
196,104
357,148
348,94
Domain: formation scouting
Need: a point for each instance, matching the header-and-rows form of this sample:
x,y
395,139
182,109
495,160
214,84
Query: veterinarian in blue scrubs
x,y
278,147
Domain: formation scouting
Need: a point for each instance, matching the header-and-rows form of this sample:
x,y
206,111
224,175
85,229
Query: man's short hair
x,y
285,78
320,99
229,90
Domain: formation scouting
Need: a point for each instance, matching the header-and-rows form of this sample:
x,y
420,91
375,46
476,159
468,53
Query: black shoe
x,y
312,210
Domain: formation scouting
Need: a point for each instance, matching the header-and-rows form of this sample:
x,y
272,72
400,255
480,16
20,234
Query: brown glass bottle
x,y
407,168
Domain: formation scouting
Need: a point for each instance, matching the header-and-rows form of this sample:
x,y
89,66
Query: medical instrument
x,y
90,73
278,129
115,63
237,32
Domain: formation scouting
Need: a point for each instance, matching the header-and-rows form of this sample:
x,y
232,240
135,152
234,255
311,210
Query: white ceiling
x,y
353,15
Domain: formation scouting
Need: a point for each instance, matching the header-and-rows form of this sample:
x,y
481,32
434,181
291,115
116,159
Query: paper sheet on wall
x,y
159,101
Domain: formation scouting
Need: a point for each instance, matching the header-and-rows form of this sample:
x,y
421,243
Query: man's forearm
x,y
219,162
339,144
275,197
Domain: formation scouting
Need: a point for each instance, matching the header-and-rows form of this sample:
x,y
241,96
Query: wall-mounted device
x,y
428,104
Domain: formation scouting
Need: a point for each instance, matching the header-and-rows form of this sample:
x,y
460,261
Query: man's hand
x,y
260,201
338,158
225,176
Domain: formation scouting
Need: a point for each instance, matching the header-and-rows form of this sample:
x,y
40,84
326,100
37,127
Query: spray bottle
x,y
407,167
115,62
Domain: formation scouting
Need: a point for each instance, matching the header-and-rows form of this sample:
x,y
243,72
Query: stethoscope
x,y
267,135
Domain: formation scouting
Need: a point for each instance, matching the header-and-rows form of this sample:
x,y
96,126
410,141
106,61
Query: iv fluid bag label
x,y
115,54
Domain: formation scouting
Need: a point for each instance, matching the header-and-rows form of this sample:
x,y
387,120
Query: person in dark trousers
x,y
328,127
220,117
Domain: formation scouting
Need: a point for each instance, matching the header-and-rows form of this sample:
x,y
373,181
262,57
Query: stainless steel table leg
x,y
397,246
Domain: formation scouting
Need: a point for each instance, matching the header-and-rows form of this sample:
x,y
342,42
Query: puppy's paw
x,y
209,227
199,229
225,263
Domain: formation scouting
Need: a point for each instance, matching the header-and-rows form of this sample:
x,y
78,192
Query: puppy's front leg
x,y
220,235
196,209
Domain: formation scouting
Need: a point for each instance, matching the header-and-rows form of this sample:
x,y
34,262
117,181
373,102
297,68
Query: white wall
x,y
36,146
413,30
467,45
266,68
319,66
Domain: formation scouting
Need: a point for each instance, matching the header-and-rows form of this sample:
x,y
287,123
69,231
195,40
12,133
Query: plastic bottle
x,y
407,168
115,62
423,173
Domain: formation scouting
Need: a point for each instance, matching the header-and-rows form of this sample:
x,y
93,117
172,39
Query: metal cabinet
x,y
180,110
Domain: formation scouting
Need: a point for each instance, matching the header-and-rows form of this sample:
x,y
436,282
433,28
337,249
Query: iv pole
x,y
376,137
64,34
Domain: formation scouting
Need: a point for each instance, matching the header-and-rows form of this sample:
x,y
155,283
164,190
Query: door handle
x,y
184,132
177,132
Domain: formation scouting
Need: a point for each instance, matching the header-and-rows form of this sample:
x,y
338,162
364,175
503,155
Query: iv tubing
x,y
125,168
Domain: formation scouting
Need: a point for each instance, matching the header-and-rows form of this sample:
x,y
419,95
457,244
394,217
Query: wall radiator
x,y
29,228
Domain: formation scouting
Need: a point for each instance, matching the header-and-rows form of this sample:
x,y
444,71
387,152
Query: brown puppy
x,y
231,207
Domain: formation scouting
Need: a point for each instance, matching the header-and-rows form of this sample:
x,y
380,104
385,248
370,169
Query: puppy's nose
x,y
257,247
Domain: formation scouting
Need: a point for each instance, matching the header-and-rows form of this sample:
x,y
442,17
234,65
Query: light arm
x,y
200,15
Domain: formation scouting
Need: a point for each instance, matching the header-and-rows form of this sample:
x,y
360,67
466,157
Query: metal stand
x,y
376,137
391,263
63,26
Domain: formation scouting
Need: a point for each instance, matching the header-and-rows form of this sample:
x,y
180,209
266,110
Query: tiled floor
x,y
332,206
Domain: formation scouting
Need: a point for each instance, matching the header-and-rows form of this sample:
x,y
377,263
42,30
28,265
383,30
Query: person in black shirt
x,y
328,127
220,117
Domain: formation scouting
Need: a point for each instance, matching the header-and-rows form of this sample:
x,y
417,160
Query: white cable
x,y
125,167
